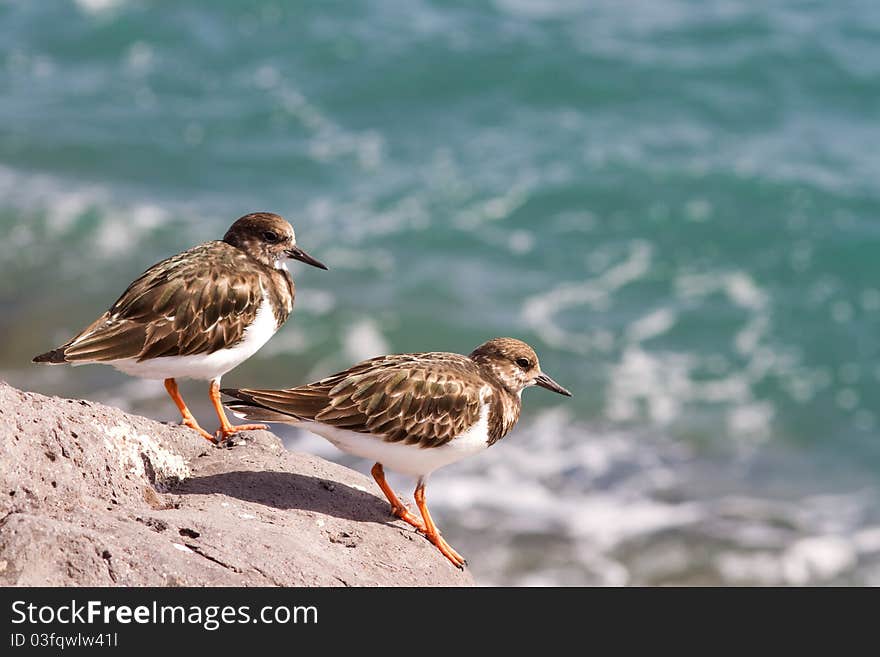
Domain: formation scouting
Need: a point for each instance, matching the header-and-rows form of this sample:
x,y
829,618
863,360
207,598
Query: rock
x,y
93,496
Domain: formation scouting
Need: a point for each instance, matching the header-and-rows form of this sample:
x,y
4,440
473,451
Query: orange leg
x,y
398,508
188,419
431,531
226,428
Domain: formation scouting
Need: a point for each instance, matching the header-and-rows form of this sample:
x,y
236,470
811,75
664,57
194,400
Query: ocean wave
x,y
66,207
539,311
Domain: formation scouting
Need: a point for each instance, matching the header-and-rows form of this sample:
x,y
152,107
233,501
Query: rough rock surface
x,y
93,496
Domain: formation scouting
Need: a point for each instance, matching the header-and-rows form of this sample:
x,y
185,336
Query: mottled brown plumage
x,y
425,399
199,313
195,302
412,412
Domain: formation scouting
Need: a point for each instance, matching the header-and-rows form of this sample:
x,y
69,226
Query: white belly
x,y
206,366
407,459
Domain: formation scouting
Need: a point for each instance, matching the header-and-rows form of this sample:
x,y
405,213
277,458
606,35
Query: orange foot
x,y
188,420
398,508
409,517
227,429
457,560
431,531
224,432
192,424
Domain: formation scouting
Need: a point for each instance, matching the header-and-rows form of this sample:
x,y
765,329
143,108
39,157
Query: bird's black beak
x,y
298,254
546,382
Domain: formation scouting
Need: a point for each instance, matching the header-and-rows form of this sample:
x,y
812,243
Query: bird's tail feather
x,y
256,413
52,357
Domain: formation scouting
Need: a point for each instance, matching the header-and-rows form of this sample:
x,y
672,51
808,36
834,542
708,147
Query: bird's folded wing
x,y
194,303
395,398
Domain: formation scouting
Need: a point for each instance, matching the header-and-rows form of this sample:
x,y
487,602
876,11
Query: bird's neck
x,y
503,415
281,294
504,409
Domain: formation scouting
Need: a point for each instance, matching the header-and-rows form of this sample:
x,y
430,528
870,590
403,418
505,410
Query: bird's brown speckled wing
x,y
196,302
417,399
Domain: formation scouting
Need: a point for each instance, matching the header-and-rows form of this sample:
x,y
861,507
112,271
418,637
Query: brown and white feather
x,y
422,399
196,302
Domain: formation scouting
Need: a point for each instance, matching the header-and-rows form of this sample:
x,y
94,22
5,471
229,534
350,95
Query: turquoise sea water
x,y
675,202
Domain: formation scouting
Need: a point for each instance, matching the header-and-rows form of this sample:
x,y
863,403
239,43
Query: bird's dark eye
x,y
524,363
270,236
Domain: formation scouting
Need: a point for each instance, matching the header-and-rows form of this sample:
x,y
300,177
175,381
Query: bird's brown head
x,y
515,364
268,238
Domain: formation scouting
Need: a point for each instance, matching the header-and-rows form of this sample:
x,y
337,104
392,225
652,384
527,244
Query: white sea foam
x,y
330,141
98,6
360,223
743,291
659,383
122,228
817,559
867,541
364,340
738,286
540,8
316,302
582,496
493,209
750,419
139,58
290,339
539,311
651,325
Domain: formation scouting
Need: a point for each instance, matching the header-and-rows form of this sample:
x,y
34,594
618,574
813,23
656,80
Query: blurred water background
x,y
675,201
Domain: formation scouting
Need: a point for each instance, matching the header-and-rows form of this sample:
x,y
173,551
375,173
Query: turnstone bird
x,y
198,314
411,412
